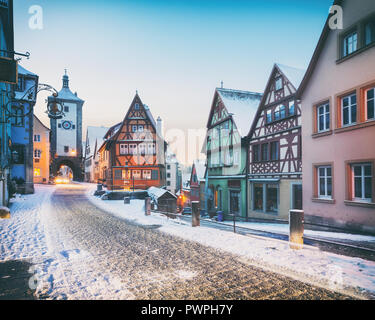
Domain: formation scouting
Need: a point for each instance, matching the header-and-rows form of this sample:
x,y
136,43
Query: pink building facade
x,y
338,123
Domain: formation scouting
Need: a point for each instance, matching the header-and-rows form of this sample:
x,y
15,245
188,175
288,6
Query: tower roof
x,y
65,93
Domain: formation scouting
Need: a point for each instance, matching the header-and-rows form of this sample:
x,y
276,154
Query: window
x,y
256,154
66,149
118,174
370,32
132,149
147,174
280,112
124,149
168,167
362,182
36,138
126,174
265,152
36,172
137,174
134,128
37,154
324,182
140,128
136,106
59,125
66,108
269,116
370,109
292,108
349,110
279,84
18,119
323,117
275,150
154,175
271,198
266,197
169,176
350,43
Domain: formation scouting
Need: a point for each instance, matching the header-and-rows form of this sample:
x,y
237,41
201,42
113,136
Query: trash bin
x,y
220,216
296,229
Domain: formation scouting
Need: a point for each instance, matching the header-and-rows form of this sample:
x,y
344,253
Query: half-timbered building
x,y
275,164
134,152
231,115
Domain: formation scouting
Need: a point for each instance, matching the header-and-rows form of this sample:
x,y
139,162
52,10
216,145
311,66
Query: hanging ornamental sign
x,y
55,108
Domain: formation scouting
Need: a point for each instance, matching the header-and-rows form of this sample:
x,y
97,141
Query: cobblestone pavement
x,y
14,281
154,265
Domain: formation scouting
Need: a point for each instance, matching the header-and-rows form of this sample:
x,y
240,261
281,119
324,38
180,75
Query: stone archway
x,y
73,163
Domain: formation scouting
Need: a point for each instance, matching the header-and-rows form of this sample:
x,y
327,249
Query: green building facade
x,y
229,122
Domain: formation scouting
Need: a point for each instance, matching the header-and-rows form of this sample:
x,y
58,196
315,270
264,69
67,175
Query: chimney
x,y
159,127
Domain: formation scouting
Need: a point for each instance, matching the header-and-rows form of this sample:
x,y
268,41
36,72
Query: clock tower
x,y
66,133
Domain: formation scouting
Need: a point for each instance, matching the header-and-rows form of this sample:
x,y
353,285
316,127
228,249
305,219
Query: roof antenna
x,y
222,84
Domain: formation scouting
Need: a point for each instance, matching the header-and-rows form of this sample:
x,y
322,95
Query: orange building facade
x,y
133,154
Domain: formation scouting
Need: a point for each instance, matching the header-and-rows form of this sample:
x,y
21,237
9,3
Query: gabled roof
x,y
94,137
41,123
294,75
316,54
156,193
200,169
241,105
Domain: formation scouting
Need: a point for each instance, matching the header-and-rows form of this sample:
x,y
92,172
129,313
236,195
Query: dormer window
x,y
350,43
279,84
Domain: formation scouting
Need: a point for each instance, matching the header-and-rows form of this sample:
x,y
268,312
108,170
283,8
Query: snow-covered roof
x,y
242,105
294,75
95,136
149,114
66,94
22,70
200,168
156,193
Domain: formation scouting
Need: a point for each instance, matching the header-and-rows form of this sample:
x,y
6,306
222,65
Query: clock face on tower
x,y
67,125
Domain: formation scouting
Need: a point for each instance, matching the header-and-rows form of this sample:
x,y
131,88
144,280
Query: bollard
x,y
296,229
147,206
127,200
4,213
195,216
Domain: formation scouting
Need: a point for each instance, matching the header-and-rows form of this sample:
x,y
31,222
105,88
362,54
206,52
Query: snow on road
x,y
333,271
62,270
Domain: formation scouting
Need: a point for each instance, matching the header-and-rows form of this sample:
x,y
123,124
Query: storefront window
x,y
258,197
271,198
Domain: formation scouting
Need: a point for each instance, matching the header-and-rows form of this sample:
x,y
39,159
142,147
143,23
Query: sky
x,y
175,53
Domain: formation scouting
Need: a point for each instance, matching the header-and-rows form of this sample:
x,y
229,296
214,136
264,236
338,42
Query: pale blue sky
x,y
173,52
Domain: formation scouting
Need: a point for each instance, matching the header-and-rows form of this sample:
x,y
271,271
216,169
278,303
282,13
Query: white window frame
x,y
350,45
367,101
362,176
124,149
350,106
146,174
325,114
325,177
37,154
134,128
137,174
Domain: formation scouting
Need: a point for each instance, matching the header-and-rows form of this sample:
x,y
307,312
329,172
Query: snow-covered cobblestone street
x,y
105,250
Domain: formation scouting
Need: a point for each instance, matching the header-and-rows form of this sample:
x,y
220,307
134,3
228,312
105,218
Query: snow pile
x,y
348,275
